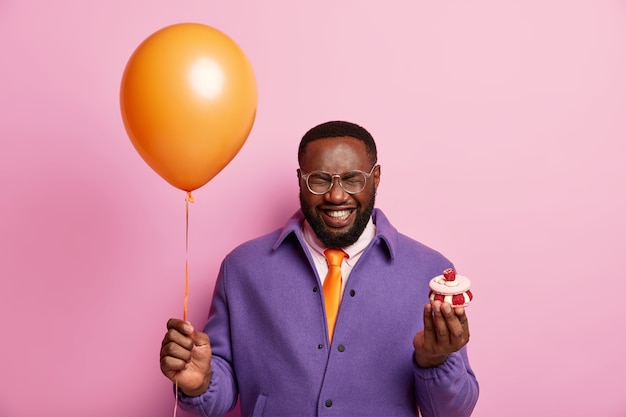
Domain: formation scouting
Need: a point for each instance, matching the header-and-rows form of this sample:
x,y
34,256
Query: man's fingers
x,y
440,323
200,338
175,337
463,332
446,330
455,322
182,326
460,313
172,364
176,350
179,332
429,326
177,345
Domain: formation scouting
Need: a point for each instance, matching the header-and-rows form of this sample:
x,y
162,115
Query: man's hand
x,y
445,331
186,357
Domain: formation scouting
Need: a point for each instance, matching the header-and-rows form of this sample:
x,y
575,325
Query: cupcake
x,y
451,288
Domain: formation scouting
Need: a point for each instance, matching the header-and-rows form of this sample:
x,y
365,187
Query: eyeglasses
x,y
321,182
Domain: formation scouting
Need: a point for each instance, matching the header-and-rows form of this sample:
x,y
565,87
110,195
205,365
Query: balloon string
x,y
188,199
176,399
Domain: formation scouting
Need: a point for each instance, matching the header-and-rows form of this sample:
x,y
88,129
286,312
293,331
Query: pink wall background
x,y
501,128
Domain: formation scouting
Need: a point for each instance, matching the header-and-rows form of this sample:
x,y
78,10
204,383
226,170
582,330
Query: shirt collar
x,y
353,250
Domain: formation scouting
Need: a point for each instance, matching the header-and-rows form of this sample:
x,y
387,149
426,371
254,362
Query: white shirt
x,y
354,251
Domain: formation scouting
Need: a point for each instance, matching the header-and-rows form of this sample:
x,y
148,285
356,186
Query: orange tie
x,y
332,287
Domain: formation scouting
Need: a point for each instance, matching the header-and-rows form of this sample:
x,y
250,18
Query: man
x,y
272,339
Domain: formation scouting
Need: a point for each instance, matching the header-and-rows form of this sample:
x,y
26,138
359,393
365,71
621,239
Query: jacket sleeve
x,y
221,396
450,389
218,399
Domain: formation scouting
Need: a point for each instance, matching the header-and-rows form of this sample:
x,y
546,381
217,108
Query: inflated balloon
x,y
188,100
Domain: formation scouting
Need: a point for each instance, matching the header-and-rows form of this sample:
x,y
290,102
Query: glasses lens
x,y
353,182
319,182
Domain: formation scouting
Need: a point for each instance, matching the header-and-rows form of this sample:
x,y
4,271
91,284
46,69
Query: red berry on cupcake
x,y
449,274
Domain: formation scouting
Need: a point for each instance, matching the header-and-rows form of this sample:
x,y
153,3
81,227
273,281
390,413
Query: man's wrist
x,y
198,391
430,362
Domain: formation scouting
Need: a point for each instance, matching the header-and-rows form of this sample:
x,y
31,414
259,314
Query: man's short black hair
x,y
335,129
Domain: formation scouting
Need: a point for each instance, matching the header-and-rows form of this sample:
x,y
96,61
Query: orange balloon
x,y
188,100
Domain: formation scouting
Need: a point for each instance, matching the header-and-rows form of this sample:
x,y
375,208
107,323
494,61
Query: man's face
x,y
338,218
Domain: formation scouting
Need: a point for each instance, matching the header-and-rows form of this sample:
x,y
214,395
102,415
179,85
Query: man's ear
x,y
376,178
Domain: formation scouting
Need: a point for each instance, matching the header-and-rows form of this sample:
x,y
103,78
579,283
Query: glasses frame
x,y
306,176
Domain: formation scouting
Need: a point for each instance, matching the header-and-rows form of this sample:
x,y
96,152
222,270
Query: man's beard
x,y
331,239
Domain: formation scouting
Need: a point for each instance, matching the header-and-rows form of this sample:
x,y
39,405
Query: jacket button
x,y
320,346
341,348
314,289
352,292
329,403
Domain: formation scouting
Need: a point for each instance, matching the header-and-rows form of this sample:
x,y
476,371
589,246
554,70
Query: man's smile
x,y
337,218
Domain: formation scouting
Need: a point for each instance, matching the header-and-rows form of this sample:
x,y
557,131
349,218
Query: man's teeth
x,y
339,214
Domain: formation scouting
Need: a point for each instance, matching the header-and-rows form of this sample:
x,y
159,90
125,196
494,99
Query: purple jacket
x,y
270,343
